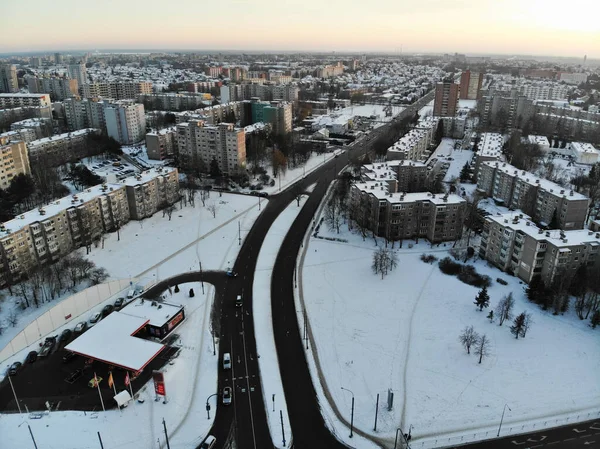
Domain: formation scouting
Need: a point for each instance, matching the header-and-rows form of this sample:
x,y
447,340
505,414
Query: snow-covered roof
x,y
147,175
539,140
157,313
380,191
490,144
582,147
35,143
111,341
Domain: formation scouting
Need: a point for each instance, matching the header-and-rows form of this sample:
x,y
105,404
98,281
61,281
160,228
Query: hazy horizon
x,y
517,27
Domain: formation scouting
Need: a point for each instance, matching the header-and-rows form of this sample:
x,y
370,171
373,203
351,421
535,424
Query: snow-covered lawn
x,y
457,159
401,333
263,323
189,380
157,248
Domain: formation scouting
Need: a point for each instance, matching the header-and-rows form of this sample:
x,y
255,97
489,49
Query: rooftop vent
x,y
547,233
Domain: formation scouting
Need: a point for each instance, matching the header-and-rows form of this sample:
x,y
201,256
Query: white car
x,y
208,443
227,396
96,317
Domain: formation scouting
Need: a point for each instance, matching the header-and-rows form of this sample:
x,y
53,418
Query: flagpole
x,y
129,384
112,381
99,394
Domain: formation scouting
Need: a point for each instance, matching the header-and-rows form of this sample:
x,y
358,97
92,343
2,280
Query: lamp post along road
x,y
351,413
502,419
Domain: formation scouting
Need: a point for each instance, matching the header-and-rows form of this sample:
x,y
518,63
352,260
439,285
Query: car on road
x,y
231,273
227,396
95,318
208,443
14,368
31,357
81,327
119,303
65,335
238,301
227,361
107,310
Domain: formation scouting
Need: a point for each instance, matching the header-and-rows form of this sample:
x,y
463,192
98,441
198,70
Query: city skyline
x,y
533,27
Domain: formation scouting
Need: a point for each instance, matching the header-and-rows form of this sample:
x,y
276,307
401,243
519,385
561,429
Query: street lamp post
x,y
502,419
351,413
208,405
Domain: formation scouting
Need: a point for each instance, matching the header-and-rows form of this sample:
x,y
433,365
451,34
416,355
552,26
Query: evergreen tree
x,y
177,289
536,289
482,299
465,173
518,327
215,171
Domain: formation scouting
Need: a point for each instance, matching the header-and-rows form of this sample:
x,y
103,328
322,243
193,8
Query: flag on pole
x,y
110,380
97,384
127,379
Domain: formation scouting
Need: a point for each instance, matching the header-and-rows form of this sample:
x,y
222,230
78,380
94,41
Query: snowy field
x,y
157,248
189,380
140,154
263,324
457,159
401,333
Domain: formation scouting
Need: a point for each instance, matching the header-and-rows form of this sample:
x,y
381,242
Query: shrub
x,y
501,281
465,273
449,267
428,258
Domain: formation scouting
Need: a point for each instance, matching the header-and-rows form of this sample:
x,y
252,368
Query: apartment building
x,y
573,78
264,92
513,243
162,144
446,97
400,175
151,190
117,90
8,78
175,102
277,114
78,72
14,160
125,121
26,135
541,199
16,100
489,149
470,85
330,71
62,148
398,216
199,143
505,110
58,88
85,113
44,235
41,127
414,145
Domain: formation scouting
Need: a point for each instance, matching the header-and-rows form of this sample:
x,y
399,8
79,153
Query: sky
x,y
532,27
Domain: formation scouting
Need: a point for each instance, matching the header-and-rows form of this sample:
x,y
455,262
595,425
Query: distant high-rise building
x,y
58,58
470,85
78,72
15,161
8,78
125,121
584,60
446,99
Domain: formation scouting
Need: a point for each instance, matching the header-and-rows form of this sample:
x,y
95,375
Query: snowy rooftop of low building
x,y
111,341
532,179
48,211
147,175
521,222
582,147
490,144
157,313
64,136
30,122
409,140
379,190
539,140
20,95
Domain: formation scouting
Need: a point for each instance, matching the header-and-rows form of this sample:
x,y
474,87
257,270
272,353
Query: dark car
x,y
65,335
107,310
31,357
264,194
231,273
119,303
74,376
47,347
68,356
81,327
14,368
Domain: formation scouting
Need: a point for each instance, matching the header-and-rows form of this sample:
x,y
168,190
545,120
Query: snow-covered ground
x,y
401,333
445,153
426,110
189,379
140,154
157,248
263,324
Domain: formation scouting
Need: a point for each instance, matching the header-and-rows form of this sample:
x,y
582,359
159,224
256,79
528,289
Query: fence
x,y
67,310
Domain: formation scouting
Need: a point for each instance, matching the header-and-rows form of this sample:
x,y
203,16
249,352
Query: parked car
x,y
31,357
231,273
208,443
264,194
227,396
14,368
119,303
47,347
74,376
81,327
95,318
68,356
65,335
107,310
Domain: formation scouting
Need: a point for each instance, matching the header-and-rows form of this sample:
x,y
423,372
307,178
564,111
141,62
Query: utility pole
x,y
166,435
201,278
100,438
376,410
239,233
14,393
282,429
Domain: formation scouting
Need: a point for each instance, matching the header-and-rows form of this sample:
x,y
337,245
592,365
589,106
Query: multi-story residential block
x,y
470,85
25,135
446,99
78,72
125,121
58,58
329,71
175,102
544,200
8,78
199,143
507,111
151,190
117,90
15,100
489,149
41,127
400,175
58,88
162,144
277,114
573,78
584,153
43,235
414,145
14,160
86,113
513,243
62,148
264,92
398,216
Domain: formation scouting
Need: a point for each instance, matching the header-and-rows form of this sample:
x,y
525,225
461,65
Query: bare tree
x,y
482,347
504,308
212,208
468,338
527,323
333,214
12,318
169,211
98,275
